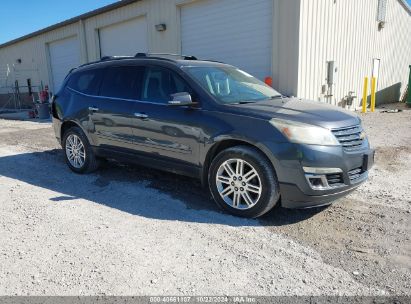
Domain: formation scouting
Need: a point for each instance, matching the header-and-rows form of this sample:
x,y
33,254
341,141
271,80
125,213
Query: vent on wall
x,y
382,10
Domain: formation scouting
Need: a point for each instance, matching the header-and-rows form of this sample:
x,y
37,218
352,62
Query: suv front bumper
x,y
307,178
292,197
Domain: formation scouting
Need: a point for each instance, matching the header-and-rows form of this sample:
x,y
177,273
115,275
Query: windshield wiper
x,y
247,102
276,97
244,102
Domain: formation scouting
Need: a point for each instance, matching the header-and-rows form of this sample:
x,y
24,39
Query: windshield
x,y
231,85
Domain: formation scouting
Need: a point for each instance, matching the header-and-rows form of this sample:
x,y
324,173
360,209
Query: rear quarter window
x,y
86,82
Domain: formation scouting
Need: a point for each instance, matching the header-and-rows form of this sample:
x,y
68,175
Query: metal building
x,y
316,49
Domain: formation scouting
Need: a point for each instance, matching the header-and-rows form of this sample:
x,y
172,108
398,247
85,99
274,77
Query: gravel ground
x,y
127,230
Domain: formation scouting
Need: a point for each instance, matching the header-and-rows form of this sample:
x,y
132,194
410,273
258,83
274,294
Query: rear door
x,y
113,111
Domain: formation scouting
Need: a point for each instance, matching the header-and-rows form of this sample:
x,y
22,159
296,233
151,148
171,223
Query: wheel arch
x,y
68,124
226,143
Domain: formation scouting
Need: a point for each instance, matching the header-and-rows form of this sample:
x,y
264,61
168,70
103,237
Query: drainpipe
x,y
83,42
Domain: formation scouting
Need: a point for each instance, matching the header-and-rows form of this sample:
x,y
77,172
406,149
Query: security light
x,y
161,27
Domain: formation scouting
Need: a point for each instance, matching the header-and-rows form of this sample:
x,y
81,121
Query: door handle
x,y
93,109
141,115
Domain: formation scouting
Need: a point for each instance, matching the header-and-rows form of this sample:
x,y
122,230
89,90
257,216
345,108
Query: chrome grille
x,y
349,137
334,179
355,173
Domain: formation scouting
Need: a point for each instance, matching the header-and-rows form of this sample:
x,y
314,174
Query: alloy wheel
x,y
75,151
238,184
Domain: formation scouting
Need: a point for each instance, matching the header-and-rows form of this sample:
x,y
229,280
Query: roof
x,y
126,60
95,12
406,5
105,9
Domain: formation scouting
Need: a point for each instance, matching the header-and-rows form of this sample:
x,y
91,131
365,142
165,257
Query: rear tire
x,y
243,182
78,152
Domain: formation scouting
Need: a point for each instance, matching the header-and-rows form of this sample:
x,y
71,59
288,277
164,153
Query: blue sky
x,y
20,17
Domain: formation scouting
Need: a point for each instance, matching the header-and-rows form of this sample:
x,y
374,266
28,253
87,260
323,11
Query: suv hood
x,y
306,111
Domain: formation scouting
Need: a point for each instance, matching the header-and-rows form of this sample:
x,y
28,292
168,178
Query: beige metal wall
x,y
347,31
34,51
306,34
155,11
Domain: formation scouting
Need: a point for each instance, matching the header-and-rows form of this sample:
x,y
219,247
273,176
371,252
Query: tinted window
x,y
160,83
122,82
86,82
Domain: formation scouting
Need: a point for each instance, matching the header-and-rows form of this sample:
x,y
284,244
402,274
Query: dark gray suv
x,y
253,147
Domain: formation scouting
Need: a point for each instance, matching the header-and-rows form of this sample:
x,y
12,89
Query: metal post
x,y
409,89
364,95
373,89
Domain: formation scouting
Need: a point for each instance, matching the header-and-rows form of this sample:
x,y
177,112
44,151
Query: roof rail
x,y
115,58
141,55
185,57
211,60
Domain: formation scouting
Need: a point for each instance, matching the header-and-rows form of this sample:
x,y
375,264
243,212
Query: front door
x,y
172,133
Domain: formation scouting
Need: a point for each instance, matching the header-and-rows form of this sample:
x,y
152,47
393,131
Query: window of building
x,y
382,10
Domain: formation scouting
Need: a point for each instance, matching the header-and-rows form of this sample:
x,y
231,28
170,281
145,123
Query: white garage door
x,y
232,31
64,55
124,39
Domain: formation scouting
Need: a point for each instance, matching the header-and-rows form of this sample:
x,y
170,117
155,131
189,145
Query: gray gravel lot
x,y
127,230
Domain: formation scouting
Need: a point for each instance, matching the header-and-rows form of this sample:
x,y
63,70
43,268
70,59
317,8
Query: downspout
x,y
83,42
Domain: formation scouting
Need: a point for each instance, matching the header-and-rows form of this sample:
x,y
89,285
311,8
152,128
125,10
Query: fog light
x,y
318,182
324,178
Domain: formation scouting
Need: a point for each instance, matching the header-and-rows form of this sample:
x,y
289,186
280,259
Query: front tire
x,y
78,152
243,182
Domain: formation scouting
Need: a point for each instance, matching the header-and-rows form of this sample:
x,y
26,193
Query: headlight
x,y
304,133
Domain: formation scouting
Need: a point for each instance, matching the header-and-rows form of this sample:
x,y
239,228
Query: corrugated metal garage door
x,y
64,55
124,39
232,31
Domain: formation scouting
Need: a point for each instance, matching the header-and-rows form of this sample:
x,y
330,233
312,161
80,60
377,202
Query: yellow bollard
x,y
364,96
373,88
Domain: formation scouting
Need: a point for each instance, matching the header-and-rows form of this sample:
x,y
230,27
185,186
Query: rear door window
x,y
122,82
86,82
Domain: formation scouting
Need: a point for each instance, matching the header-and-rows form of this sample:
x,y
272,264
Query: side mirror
x,y
181,99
